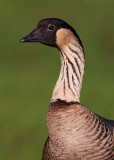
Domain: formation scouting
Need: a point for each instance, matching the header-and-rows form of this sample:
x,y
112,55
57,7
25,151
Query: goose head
x,y
52,32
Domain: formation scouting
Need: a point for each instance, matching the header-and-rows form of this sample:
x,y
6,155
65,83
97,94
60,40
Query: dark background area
x,y
28,72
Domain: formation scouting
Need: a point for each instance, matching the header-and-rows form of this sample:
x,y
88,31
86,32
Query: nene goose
x,y
74,132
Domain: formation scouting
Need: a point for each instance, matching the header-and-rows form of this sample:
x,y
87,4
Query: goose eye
x,y
51,27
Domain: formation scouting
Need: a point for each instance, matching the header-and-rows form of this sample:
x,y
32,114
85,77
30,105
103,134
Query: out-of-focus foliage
x,y
28,72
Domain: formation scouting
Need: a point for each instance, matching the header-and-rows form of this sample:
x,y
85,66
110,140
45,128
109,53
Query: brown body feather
x,y
75,133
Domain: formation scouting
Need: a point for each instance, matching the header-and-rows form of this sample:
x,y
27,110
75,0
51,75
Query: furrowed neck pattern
x,y
70,79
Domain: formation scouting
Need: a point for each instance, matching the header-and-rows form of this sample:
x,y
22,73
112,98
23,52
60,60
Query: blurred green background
x,y
28,72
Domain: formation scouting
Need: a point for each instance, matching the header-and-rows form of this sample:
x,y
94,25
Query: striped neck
x,y
70,79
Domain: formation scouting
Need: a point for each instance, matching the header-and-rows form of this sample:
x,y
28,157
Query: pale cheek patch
x,y
63,37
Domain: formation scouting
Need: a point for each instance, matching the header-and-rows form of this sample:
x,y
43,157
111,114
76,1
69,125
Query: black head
x,y
45,32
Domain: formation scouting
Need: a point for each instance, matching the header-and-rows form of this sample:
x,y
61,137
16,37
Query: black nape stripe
x,y
77,65
72,67
74,70
73,81
68,79
74,52
67,76
63,65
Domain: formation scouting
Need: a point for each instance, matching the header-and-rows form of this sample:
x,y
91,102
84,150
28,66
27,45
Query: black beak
x,y
32,37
